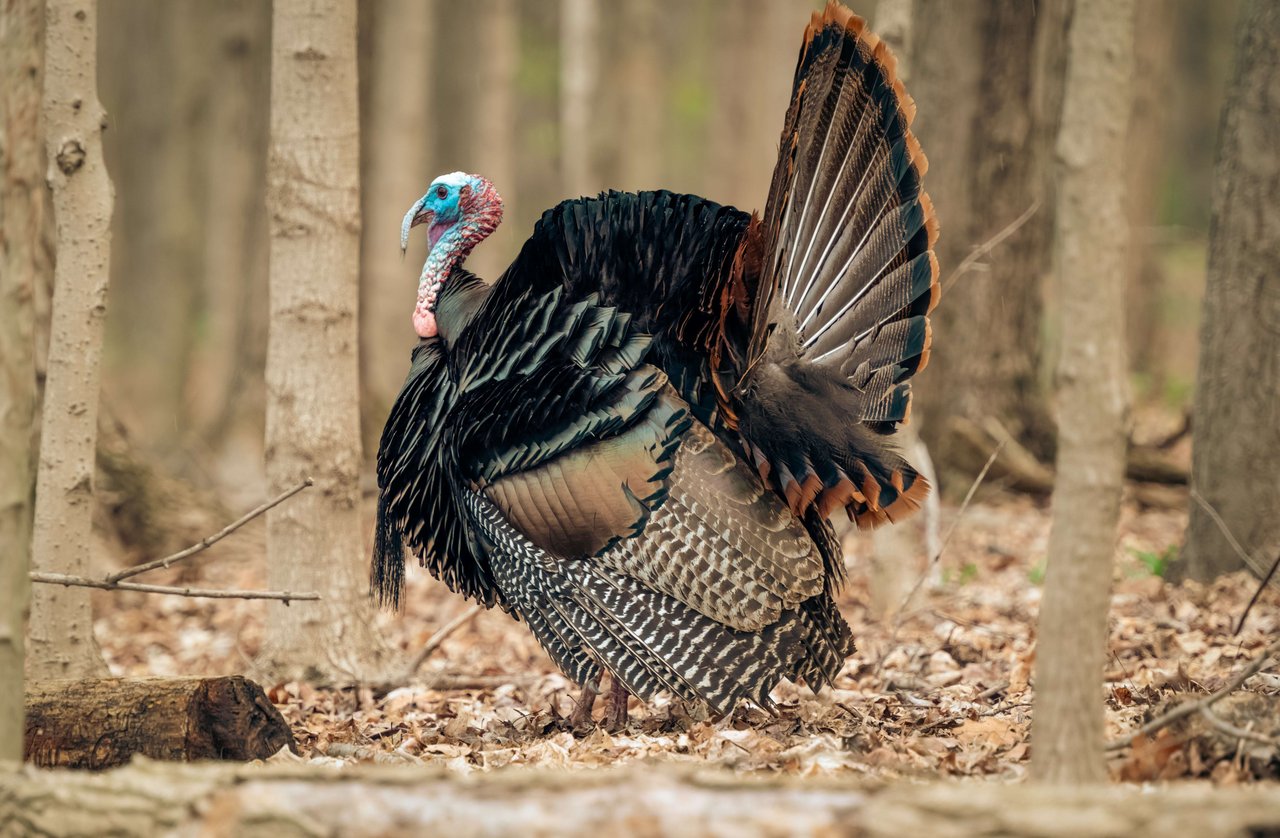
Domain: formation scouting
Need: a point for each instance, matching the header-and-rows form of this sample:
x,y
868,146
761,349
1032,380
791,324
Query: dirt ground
x,y
941,689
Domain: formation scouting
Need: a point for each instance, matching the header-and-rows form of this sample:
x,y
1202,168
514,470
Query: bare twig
x,y
439,637
964,506
1187,708
205,593
1253,600
900,616
1222,527
1244,557
968,263
208,542
1234,732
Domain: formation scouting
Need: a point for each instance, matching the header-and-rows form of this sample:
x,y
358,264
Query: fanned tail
x,y
844,276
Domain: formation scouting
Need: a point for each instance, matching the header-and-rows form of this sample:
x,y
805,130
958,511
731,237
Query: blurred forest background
x,y
687,96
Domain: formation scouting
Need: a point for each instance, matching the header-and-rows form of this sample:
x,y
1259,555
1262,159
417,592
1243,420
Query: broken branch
x,y
1200,705
206,593
439,637
206,543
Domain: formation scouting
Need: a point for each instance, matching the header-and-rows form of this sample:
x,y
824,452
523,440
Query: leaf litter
x,y
944,689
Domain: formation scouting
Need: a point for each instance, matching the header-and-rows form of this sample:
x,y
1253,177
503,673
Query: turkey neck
x,y
449,251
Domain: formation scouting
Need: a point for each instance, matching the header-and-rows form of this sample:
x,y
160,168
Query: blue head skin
x,y
440,208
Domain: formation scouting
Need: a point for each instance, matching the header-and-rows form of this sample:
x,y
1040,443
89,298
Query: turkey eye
x,y
441,192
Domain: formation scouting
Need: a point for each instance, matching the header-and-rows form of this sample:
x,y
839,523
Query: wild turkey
x,y
633,438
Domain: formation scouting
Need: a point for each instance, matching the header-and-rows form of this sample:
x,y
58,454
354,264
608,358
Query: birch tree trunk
x,y
313,414
21,229
1092,397
579,72
61,627
1236,454
397,173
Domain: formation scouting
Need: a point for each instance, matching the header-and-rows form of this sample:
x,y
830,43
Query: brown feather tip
x,y
935,288
909,501
928,342
930,219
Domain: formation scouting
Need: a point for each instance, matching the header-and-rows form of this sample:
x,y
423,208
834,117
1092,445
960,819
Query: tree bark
x,y
397,172
1091,394
579,71
1145,159
985,81
275,800
226,378
97,724
159,134
1236,447
22,221
313,411
61,627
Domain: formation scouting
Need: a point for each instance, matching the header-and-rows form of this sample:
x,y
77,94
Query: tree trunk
x,y
984,79
1092,396
61,628
1236,454
287,800
579,71
1145,159
398,160
157,80
226,370
22,221
313,412
495,137
99,724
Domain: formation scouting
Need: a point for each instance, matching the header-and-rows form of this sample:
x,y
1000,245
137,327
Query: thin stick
x,y
208,542
898,618
1222,527
1189,707
1244,557
990,244
1266,580
973,488
205,593
1234,732
439,637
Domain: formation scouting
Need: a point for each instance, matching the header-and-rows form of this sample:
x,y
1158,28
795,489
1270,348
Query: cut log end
x,y
96,724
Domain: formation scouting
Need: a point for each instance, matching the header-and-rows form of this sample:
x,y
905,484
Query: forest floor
x,y
941,689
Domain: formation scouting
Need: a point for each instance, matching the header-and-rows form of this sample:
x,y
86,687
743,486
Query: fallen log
x,y
277,800
102,723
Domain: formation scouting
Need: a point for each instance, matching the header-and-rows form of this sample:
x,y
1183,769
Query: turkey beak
x,y
417,214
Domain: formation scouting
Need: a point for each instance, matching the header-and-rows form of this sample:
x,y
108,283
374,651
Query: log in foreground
x,y
102,723
283,800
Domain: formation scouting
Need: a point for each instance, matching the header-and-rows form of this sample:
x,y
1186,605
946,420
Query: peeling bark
x,y
61,627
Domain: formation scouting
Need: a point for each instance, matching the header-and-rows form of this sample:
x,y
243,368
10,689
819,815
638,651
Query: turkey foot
x,y
581,715
615,717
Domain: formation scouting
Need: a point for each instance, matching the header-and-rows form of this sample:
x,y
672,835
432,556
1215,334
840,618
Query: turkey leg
x,y
615,717
581,715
